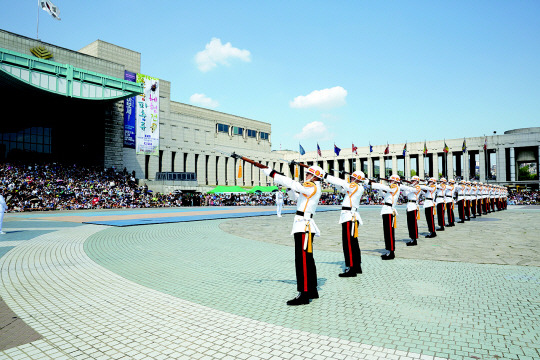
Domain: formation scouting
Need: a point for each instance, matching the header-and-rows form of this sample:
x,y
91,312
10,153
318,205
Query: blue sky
x,y
325,71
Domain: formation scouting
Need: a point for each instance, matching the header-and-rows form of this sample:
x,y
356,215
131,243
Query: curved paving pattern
x,y
191,291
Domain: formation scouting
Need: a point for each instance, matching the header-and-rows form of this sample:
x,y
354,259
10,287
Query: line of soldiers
x,y
472,198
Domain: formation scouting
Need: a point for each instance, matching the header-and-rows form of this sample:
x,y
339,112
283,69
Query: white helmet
x,y
443,180
451,181
358,175
395,177
415,178
316,171
432,179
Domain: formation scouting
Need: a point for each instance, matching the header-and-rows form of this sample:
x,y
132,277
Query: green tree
x,y
413,173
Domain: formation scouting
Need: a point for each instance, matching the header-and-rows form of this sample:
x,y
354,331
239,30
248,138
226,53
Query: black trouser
x,y
430,219
351,249
306,273
440,214
473,207
389,234
461,209
479,206
450,213
412,224
467,209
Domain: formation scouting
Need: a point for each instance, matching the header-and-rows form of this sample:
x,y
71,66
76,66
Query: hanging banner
x,y
147,138
130,109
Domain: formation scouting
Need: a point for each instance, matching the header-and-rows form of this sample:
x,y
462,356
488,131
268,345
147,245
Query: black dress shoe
x,y
440,229
412,243
461,222
348,273
314,294
432,235
388,256
358,270
301,299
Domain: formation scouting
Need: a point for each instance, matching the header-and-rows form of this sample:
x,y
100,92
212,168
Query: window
x,y
264,136
223,128
238,130
251,133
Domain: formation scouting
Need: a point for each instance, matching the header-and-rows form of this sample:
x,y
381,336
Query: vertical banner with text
x,y
147,138
130,108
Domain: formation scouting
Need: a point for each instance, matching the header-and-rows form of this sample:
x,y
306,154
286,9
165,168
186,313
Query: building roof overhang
x,y
32,74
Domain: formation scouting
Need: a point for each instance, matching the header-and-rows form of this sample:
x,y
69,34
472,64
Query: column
x,y
420,160
370,167
501,164
358,165
231,172
465,171
190,163
212,170
179,161
248,174
394,165
482,160
201,169
220,160
450,165
512,164
407,167
382,167
435,165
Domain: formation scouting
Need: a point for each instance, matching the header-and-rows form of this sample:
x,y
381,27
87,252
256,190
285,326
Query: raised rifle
x,y
248,160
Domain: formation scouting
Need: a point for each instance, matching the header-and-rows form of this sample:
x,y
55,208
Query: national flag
x,y
370,148
445,149
319,150
302,151
354,149
387,150
336,150
425,148
464,146
49,7
405,149
485,144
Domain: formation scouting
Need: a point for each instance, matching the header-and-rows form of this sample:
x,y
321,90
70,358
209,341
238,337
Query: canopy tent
x,y
264,189
227,189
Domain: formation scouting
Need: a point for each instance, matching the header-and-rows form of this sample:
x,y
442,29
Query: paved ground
x,y
216,289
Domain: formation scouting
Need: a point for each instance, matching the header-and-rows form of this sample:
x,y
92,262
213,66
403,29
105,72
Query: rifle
x,y
236,156
292,162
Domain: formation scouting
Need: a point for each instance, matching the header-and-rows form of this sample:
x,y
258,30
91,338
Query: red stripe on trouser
x,y
349,243
415,224
391,237
304,262
432,219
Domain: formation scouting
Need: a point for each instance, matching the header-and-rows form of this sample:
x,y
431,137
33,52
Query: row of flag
x,y
354,148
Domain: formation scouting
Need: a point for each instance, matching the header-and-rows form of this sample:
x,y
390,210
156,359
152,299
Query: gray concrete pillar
x,y
482,161
512,164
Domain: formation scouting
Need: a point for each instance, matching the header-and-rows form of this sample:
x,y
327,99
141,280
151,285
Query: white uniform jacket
x,y
279,197
353,194
3,205
307,198
429,194
441,190
390,196
449,193
412,193
460,192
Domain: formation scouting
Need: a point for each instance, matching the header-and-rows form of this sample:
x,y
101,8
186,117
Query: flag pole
x,y
37,29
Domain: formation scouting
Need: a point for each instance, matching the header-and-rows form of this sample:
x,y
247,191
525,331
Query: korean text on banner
x,y
130,109
147,138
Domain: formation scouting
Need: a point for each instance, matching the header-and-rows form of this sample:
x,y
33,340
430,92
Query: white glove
x,y
267,171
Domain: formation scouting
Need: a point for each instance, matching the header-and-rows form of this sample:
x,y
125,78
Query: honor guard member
x,y
413,212
303,230
441,190
468,200
350,220
484,199
460,188
472,205
492,197
388,212
479,199
449,201
3,209
279,201
429,191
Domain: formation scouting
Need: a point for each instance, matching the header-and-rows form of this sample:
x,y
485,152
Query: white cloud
x,y
217,53
315,130
203,100
326,98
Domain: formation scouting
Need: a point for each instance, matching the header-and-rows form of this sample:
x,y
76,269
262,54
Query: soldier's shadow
x,y
380,251
320,282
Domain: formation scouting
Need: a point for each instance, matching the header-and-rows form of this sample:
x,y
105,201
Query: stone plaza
x,y
216,289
